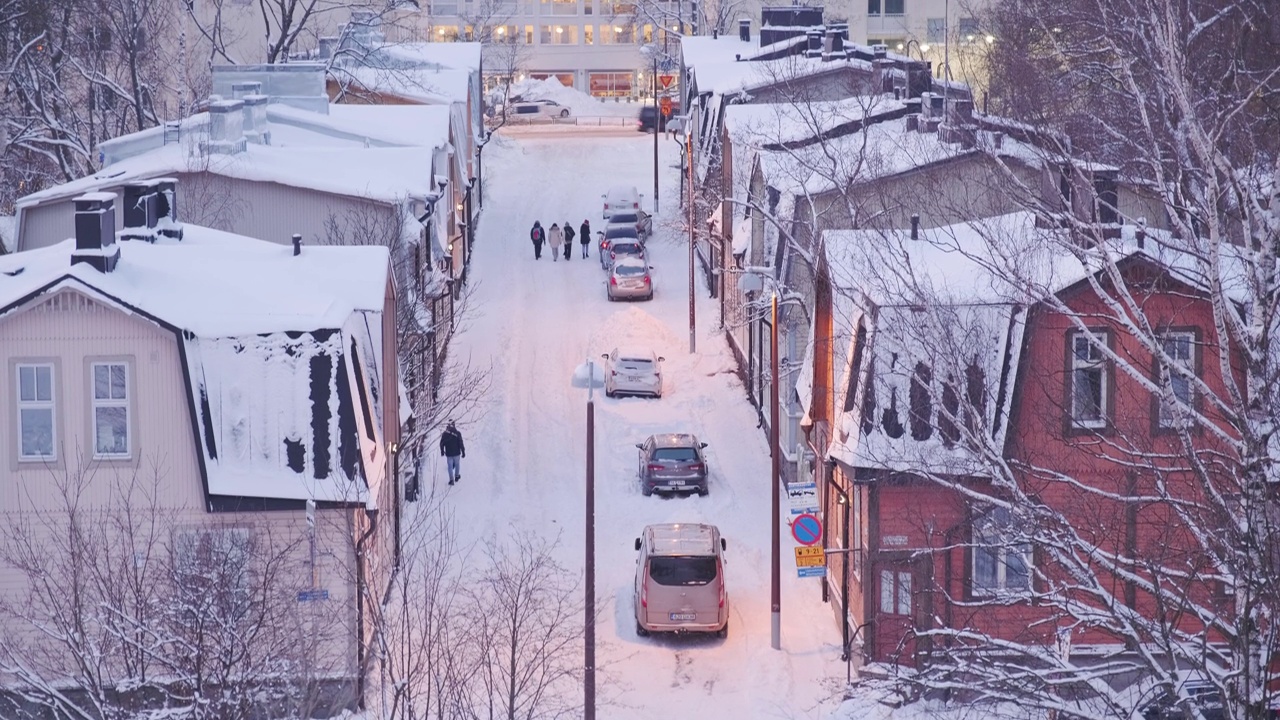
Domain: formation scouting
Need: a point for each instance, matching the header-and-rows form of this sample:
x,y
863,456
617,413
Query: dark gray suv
x,y
672,462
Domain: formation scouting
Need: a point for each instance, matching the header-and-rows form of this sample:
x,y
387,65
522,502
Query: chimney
x,y
167,208
239,90
255,119
915,227
813,37
833,44
297,244
96,231
960,112
744,30
879,52
140,211
226,127
715,33
327,44
919,77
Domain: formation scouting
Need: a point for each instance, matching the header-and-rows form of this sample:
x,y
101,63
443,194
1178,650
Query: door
x,y
896,598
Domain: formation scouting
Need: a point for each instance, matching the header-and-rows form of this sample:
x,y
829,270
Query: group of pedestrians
x,y
560,239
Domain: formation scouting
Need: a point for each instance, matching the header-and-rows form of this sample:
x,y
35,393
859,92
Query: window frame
x,y
1106,405
993,544
1159,406
96,403
51,405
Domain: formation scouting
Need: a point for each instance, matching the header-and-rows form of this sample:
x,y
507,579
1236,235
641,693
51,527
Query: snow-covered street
x,y
534,322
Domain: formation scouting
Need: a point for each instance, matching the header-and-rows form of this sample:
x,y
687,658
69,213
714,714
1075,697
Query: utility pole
x,y
589,634
693,338
775,583
657,123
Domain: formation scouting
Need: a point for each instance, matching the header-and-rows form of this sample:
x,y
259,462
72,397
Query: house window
x,y
895,592
1089,391
936,29
894,7
1174,404
36,430
999,564
968,28
873,7
110,410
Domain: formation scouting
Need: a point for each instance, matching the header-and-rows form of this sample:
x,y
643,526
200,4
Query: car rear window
x,y
619,218
628,247
682,570
675,453
630,270
637,363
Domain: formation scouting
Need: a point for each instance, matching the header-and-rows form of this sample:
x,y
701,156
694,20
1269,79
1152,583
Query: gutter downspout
x,y
360,586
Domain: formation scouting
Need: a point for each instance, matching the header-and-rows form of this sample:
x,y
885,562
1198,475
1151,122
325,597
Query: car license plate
x,y
684,617
677,483
633,378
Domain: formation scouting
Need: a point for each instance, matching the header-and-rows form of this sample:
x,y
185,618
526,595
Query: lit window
x,y
36,430
1089,391
1000,563
110,410
1176,402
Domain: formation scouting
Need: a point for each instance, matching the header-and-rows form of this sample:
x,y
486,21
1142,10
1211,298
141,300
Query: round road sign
x,y
807,529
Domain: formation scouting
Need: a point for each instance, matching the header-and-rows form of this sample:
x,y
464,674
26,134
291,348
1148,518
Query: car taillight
x,y
646,279
613,255
644,594
696,467
635,205
720,572
653,468
613,373
613,280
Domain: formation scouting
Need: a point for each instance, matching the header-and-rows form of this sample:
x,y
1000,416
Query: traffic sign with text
x,y
804,497
811,562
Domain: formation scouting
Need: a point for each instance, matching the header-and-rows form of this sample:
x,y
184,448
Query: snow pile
x,y
578,102
632,328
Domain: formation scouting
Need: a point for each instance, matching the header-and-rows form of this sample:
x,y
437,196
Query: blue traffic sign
x,y
667,65
807,529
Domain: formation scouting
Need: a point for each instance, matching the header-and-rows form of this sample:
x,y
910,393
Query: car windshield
x,y
630,270
682,454
682,570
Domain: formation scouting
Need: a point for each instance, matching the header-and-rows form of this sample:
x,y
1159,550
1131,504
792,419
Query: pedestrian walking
x,y
568,240
453,450
584,237
537,235
555,236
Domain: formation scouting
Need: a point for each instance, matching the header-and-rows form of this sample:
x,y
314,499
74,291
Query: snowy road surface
x,y
525,466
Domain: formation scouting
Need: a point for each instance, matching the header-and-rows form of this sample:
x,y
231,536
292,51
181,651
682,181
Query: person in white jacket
x,y
555,236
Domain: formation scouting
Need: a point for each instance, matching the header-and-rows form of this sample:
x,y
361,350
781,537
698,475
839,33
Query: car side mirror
x,y
604,355
661,359
723,545
637,544
639,446
702,445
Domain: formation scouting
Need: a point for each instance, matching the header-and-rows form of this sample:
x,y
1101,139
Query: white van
x,y
620,198
680,580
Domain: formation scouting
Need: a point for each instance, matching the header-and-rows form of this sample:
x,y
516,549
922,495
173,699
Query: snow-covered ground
x,y
535,322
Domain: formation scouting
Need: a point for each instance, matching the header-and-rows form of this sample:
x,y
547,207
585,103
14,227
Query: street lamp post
x,y
590,376
775,564
652,51
693,337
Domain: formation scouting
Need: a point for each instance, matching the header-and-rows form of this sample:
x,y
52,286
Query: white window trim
x,y
1101,364
96,403
51,405
1170,418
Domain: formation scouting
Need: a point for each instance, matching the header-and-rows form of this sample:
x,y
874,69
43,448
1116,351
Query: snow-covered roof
x,y
281,351
454,55
761,124
431,85
386,174
717,69
389,125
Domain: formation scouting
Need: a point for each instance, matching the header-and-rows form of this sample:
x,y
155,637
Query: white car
x,y
633,371
621,198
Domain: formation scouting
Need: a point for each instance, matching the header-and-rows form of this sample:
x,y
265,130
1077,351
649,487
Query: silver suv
x,y
672,462
680,584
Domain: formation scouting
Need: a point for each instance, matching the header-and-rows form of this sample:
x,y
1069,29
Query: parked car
x,y
672,462
622,247
633,371
630,280
621,198
680,583
649,114
640,220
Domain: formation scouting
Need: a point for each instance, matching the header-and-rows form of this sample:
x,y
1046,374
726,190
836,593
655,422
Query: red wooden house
x,y
969,379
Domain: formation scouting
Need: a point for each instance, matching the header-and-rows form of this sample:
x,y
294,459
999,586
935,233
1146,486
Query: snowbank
x,y
579,103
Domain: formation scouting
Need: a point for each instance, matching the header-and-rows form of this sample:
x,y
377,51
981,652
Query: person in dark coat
x,y
453,450
568,240
584,237
537,235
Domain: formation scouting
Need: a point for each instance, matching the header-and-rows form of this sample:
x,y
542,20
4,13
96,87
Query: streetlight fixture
x,y
591,376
